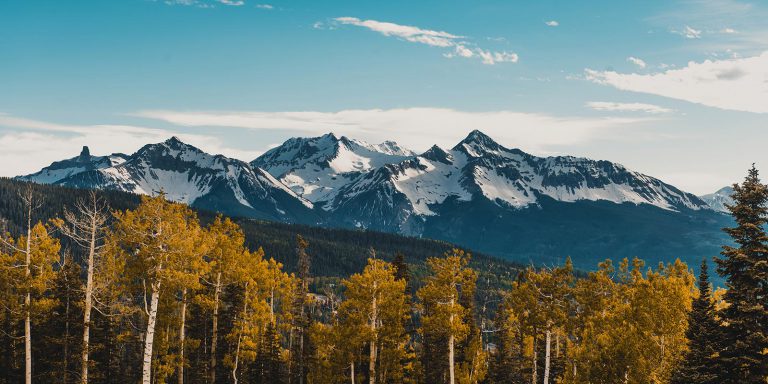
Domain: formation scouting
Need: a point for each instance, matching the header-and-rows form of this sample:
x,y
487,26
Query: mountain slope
x,y
84,162
718,200
401,197
188,175
316,168
478,194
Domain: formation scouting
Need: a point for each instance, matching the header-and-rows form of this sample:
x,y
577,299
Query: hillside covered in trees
x,y
113,288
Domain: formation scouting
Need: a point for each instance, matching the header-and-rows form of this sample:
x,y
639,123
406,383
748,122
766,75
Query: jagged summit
x,y
478,193
174,141
477,143
85,154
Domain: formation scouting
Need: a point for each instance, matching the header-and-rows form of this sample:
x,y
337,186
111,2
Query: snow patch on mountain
x,y
719,199
317,168
84,162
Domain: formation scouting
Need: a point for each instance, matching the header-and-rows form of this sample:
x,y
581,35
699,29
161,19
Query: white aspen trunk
x,y
546,356
27,342
215,330
88,304
352,371
372,357
272,305
146,371
451,373
237,359
27,303
240,336
534,371
182,334
301,354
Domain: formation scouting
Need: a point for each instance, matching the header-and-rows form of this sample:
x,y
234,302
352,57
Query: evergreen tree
x,y
60,335
299,340
743,358
268,365
401,268
703,334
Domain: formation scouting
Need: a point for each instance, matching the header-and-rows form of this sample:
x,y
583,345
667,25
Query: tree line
x,y
160,297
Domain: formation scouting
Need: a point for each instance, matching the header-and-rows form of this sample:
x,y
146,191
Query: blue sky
x,y
674,89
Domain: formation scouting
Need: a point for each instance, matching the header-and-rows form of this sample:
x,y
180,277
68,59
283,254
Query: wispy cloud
x,y
458,44
29,144
607,106
733,84
265,6
636,61
552,23
688,32
419,127
235,3
205,3
716,25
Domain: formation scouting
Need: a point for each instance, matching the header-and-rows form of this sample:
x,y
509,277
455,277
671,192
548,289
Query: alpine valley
x,y
478,194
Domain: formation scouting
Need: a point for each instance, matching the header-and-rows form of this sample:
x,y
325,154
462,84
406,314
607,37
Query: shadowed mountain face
x,y
478,194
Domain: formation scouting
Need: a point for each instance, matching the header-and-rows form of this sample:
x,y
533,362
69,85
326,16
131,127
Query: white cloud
x,y
607,106
728,31
406,32
28,145
552,23
688,32
442,39
733,84
639,62
418,128
265,6
491,58
235,3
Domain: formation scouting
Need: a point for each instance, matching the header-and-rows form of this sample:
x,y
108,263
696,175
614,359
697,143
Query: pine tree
x,y
299,340
703,334
401,268
268,366
743,358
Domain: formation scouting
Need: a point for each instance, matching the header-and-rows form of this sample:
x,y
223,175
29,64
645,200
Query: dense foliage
x,y
155,292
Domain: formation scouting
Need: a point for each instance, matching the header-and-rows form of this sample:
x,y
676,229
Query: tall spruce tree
x,y
698,365
299,340
745,268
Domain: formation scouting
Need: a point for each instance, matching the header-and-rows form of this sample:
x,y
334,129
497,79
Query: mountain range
x,y
478,193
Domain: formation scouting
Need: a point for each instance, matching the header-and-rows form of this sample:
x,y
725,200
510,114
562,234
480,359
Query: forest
x,y
100,289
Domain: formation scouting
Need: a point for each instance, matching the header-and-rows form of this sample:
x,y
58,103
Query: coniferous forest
x,y
103,287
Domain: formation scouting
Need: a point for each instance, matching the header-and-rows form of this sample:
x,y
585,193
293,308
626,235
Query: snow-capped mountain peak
x,y
719,200
317,167
380,186
185,174
84,162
